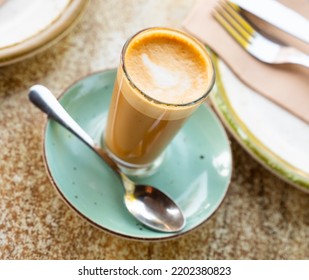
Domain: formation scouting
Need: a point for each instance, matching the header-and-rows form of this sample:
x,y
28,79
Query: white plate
x,y
28,26
270,134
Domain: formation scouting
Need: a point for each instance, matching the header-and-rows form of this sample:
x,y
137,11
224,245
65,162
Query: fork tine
x,y
227,14
237,21
234,11
225,20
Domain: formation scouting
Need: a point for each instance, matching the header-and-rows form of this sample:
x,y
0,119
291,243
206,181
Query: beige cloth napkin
x,y
286,85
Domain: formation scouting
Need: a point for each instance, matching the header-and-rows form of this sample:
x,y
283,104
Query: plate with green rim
x,y
271,135
196,170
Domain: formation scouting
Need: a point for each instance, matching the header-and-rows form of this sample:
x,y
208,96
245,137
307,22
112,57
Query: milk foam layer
x,y
168,67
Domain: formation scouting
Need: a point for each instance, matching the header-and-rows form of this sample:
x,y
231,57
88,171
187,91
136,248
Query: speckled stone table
x,y
261,217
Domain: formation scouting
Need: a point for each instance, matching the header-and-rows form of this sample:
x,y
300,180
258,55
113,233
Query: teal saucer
x,y
195,172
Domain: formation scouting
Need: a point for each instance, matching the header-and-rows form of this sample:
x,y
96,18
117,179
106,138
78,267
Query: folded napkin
x,y
286,85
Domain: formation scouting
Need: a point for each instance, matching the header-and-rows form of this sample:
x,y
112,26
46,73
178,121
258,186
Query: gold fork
x,y
262,48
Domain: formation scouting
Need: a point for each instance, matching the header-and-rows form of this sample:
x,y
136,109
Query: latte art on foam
x,y
160,76
168,68
169,85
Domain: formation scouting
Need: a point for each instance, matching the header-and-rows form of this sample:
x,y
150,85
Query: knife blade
x,y
278,15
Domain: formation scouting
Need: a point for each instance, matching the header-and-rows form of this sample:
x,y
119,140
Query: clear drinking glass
x,y
147,108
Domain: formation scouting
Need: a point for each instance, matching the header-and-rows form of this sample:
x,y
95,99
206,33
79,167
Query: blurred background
x,y
262,217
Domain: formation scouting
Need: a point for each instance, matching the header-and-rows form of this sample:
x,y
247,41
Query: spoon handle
x,y
42,98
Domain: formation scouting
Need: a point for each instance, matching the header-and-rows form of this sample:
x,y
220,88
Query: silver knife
x,y
278,15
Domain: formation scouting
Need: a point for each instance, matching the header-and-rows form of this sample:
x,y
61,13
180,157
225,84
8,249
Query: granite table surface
x,y
262,217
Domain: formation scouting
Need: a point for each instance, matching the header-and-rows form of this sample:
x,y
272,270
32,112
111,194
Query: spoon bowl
x,y
149,205
153,209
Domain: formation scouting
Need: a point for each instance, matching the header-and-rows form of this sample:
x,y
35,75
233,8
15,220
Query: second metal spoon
x,y
147,204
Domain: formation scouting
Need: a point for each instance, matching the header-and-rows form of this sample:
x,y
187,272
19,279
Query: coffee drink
x,y
163,76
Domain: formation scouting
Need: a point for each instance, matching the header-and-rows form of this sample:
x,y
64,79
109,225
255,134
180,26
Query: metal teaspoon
x,y
147,204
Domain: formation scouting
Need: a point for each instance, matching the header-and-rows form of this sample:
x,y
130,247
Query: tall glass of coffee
x,y
163,76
